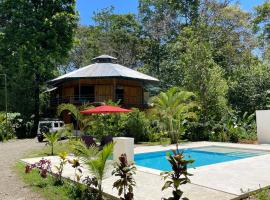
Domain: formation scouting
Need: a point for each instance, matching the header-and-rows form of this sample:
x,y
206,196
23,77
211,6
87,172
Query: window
x,y
86,92
119,94
56,125
61,124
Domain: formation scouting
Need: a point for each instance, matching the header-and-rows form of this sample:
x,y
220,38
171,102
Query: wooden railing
x,y
79,100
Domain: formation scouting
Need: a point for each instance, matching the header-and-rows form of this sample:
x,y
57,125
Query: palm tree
x,y
52,139
73,110
172,108
96,161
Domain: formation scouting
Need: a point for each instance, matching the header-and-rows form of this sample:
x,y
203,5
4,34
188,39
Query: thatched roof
x,y
105,68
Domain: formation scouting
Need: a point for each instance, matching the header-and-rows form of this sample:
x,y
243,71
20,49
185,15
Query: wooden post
x,y
79,90
114,90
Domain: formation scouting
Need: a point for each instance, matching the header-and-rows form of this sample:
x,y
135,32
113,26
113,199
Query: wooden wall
x,y
104,89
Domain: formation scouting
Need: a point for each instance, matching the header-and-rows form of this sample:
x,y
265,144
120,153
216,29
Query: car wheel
x,y
40,138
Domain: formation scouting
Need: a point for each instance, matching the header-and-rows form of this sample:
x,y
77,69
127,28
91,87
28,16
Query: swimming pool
x,y
202,156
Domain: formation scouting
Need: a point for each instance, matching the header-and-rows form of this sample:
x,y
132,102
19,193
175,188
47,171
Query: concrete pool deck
x,y
222,181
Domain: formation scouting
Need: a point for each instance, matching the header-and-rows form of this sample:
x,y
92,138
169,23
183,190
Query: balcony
x,y
80,100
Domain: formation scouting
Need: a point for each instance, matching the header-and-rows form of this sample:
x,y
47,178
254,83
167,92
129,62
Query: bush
x,y
103,125
137,125
16,126
6,132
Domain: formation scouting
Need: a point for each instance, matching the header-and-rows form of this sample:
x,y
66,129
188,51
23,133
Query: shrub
x,y
6,132
43,166
137,125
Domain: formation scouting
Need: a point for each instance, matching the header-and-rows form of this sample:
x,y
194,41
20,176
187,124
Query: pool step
x,y
243,154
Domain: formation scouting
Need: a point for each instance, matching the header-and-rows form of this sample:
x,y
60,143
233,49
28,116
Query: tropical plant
x,y
136,125
73,111
179,174
173,108
97,162
52,139
43,166
126,182
75,163
97,166
233,128
60,168
76,189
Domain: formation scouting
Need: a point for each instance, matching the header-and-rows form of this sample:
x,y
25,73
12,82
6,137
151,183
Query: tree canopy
x,y
211,48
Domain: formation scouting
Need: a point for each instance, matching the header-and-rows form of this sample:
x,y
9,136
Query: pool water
x,y
202,156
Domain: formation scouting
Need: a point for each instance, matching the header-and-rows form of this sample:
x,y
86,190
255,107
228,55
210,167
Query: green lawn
x,y
61,146
44,187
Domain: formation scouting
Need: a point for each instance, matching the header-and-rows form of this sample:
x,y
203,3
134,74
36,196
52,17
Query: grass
x,y
44,187
60,146
264,194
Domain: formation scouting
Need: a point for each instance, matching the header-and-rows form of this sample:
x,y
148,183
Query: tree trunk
x,y
36,103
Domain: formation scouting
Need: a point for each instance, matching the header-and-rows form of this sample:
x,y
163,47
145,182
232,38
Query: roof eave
x,y
53,82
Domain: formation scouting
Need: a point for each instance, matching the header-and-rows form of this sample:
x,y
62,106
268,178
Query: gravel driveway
x,y
11,187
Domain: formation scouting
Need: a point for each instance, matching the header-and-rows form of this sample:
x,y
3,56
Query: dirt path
x,y
11,187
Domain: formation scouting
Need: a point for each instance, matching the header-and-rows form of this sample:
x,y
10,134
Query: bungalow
x,y
102,81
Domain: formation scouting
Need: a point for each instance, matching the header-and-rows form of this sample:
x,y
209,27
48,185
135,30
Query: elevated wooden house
x,y
102,81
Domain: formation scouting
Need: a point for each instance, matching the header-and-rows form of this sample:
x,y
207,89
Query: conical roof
x,y
104,68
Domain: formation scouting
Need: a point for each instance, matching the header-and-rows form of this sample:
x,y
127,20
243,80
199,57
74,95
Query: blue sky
x,y
86,8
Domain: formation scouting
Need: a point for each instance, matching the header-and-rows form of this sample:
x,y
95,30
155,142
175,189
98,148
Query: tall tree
x,y
261,23
161,23
86,46
35,37
227,29
119,35
199,73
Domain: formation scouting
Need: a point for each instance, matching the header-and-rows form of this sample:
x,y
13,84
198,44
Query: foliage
x,y
35,37
178,176
233,128
91,193
44,187
161,22
261,27
52,139
59,169
172,108
203,76
126,182
249,92
43,166
98,165
78,172
136,125
99,125
263,194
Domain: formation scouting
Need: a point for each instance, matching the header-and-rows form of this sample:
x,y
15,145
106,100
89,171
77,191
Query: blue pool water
x,y
157,160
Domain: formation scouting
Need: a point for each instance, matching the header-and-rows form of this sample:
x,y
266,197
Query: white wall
x,y
123,145
263,126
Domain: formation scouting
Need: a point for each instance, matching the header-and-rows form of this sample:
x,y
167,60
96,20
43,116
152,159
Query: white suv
x,y
48,126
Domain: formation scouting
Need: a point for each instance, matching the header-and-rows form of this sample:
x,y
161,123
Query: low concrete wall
x,y
263,126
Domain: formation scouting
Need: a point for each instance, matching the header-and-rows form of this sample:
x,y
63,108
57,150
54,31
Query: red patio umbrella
x,y
105,110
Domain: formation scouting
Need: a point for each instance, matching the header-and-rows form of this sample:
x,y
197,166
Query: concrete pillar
x,y
263,126
123,145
